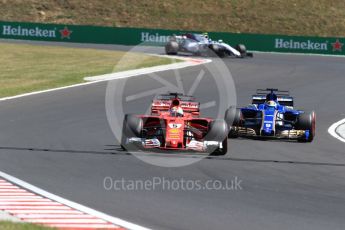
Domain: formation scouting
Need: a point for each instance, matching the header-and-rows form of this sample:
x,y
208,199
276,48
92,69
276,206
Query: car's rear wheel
x,y
221,53
217,50
307,121
171,48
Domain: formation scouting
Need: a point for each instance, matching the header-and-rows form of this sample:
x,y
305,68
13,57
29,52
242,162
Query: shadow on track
x,y
116,150
34,149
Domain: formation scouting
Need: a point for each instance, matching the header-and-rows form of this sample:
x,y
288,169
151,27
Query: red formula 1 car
x,y
174,124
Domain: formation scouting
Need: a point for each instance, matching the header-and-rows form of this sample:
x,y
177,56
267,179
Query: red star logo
x,y
337,45
65,33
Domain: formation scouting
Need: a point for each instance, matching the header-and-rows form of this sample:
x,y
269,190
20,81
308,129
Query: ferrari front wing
x,y
154,143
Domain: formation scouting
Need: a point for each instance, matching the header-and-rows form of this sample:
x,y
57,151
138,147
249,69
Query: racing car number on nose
x,y
175,126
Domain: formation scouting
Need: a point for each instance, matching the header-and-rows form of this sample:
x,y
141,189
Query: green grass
x,y
293,17
28,68
7,225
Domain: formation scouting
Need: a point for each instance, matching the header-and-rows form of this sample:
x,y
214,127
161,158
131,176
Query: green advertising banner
x,y
158,37
287,44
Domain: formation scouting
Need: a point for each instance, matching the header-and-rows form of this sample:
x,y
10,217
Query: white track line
x,y
46,91
119,75
127,74
69,206
298,54
333,128
136,72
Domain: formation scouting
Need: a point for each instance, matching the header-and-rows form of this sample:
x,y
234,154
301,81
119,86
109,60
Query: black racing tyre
x,y
217,50
214,47
307,121
171,48
221,53
218,130
233,118
132,127
221,151
242,49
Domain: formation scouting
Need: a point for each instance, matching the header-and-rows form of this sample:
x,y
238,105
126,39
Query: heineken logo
x,y
65,33
337,45
305,45
37,32
148,37
308,45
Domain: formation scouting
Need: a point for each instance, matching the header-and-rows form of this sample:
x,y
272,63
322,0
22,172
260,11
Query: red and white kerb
x,y
29,207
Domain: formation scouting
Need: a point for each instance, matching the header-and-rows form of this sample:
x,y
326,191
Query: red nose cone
x,y
174,144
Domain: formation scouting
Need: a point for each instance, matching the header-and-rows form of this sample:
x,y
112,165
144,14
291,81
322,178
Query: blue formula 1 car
x,y
271,115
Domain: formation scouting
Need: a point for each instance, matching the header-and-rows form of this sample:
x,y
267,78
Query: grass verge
x,y
294,17
8,225
28,68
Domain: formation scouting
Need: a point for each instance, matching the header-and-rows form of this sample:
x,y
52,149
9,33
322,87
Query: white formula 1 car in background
x,y
202,45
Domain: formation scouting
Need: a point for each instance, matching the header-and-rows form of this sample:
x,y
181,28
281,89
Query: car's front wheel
x,y
132,127
221,150
307,121
233,118
242,49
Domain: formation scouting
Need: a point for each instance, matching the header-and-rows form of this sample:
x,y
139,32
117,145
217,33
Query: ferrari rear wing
x,y
163,103
179,96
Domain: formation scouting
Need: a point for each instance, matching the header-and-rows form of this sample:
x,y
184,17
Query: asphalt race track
x,y
61,142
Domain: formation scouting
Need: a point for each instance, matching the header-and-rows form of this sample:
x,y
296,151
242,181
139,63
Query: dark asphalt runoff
x,y
61,142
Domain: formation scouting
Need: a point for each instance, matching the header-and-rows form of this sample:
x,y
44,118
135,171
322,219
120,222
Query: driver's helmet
x,y
271,103
176,111
271,96
205,35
